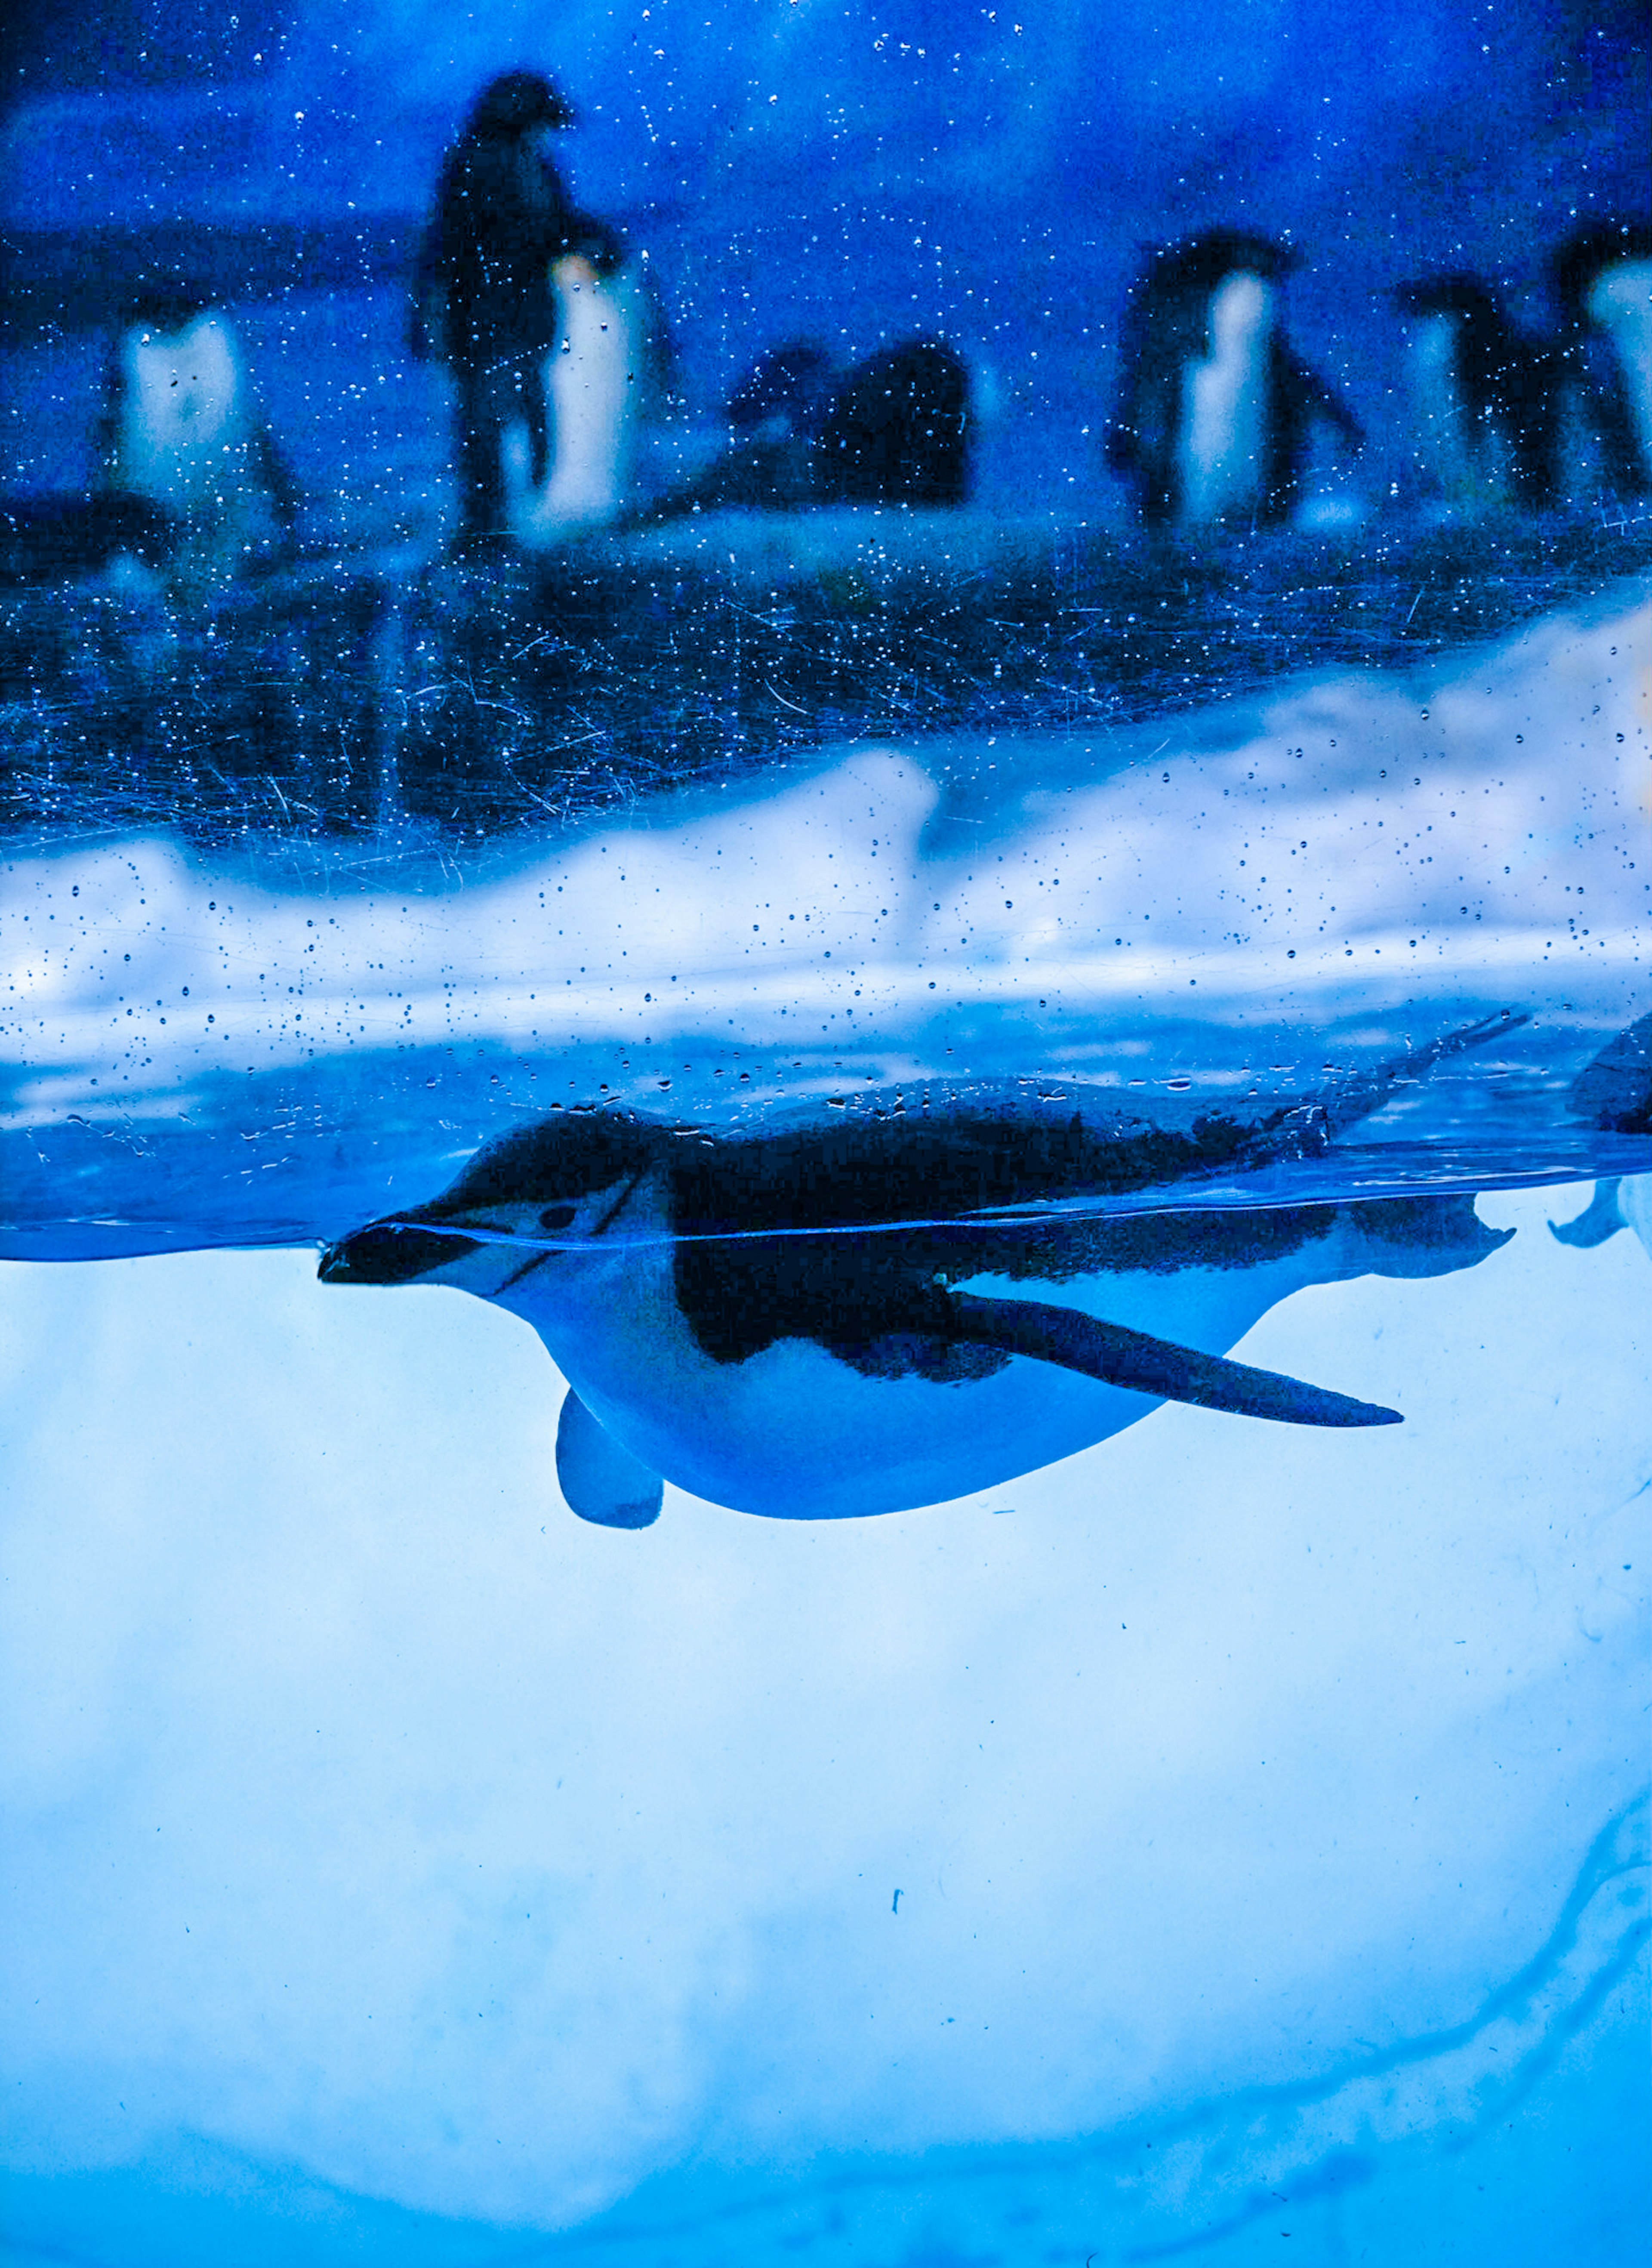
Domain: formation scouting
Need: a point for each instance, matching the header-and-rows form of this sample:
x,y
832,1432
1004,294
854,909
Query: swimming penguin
x,y
1215,412
182,430
1482,398
1603,281
829,1320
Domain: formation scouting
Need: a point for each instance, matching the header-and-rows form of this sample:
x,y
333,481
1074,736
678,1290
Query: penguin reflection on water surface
x,y
1614,1094
805,1323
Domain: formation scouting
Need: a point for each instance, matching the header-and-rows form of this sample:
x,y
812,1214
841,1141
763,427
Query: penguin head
x,y
539,1193
1172,299
1463,300
520,102
1621,296
1600,268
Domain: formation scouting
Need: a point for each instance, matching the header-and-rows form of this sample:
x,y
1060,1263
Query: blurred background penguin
x,y
1482,400
1602,276
182,430
483,300
605,382
1215,412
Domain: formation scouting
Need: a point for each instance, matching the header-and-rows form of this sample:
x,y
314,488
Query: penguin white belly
x,y
1621,303
595,382
1222,451
1438,440
796,1433
183,418
1463,465
1634,1203
185,436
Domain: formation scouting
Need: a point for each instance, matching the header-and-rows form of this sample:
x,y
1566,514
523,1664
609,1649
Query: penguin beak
x,y
389,1252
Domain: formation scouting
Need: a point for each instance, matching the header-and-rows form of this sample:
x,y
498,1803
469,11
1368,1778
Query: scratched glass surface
x,y
826,1191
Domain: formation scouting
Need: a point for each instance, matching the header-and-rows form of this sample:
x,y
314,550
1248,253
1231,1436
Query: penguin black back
x,y
852,1232
897,429
883,1300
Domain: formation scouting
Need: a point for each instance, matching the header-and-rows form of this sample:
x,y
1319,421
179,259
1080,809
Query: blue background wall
x,y
853,171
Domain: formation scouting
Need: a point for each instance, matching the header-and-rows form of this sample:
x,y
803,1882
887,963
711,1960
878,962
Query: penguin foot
x,y
1600,1219
602,1481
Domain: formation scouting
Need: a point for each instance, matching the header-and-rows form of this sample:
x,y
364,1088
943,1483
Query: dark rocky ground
x,y
491,693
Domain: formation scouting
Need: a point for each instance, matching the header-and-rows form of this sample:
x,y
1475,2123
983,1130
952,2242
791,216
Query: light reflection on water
x,y
1259,1799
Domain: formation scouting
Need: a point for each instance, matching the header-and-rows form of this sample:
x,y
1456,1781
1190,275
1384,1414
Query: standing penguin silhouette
x,y
1603,284
1215,412
1482,398
607,379
484,302
828,1321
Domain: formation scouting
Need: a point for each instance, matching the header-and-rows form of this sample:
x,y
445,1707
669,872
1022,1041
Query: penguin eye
x,y
556,1216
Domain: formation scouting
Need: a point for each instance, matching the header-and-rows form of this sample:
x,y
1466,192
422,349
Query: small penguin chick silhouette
x,y
828,1321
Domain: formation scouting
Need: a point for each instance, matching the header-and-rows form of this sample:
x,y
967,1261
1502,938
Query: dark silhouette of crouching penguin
x,y
897,430
182,431
1216,413
894,431
775,417
837,1319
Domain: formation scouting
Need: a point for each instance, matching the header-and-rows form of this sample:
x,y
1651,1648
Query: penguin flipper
x,y
1600,1219
1122,1356
602,1481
